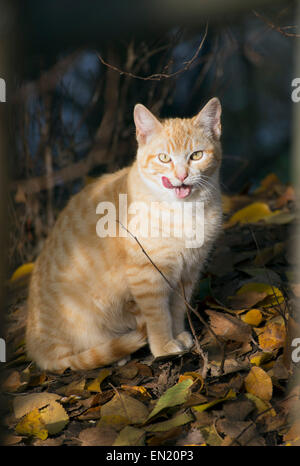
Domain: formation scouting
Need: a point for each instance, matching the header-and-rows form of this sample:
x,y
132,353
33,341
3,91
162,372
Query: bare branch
x,y
159,76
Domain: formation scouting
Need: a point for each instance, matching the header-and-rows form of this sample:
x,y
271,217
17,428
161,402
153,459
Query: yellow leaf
x,y
137,390
32,425
259,383
253,317
273,296
273,336
21,271
262,406
203,407
260,358
94,386
251,214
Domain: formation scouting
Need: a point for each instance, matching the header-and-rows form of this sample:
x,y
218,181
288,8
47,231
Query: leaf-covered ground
x,y
237,388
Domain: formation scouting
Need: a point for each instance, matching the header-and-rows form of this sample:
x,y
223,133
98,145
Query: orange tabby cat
x,y
95,300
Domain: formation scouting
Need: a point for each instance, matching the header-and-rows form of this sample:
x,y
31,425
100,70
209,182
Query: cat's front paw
x,y
172,346
185,339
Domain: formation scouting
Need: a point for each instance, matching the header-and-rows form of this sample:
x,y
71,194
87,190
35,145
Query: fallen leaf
x,y
244,430
280,218
77,387
237,410
10,439
141,392
263,407
54,417
176,421
269,180
253,317
24,404
267,254
22,271
32,425
130,436
260,358
129,371
98,436
272,295
95,385
174,396
251,214
159,439
203,407
259,383
128,409
12,383
273,335
288,195
229,327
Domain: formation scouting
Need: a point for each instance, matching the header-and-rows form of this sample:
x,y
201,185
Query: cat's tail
x,y
102,355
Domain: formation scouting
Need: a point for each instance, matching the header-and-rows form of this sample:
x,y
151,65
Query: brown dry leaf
x,y
267,254
273,335
229,327
98,436
129,371
162,437
10,439
268,182
91,413
13,382
246,300
253,317
293,434
237,410
130,436
259,383
273,296
128,409
244,431
288,195
77,387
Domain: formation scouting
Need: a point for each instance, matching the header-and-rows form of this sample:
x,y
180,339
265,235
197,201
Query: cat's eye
x,y
165,158
197,155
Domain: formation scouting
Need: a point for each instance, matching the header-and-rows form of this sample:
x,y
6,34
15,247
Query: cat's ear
x,y
209,117
147,125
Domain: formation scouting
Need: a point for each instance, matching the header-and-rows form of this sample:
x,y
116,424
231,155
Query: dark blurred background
x,y
78,68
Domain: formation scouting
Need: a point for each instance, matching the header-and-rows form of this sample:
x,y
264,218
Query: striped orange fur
x,y
92,300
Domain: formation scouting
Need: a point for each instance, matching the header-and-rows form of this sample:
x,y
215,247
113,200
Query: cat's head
x,y
179,158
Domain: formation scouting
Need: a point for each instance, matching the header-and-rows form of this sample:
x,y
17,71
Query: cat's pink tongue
x,y
182,191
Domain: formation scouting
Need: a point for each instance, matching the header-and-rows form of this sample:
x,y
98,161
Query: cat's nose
x,y
181,175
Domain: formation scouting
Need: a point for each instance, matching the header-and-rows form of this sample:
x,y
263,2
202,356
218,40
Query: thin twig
x,y
159,76
198,347
219,341
274,27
